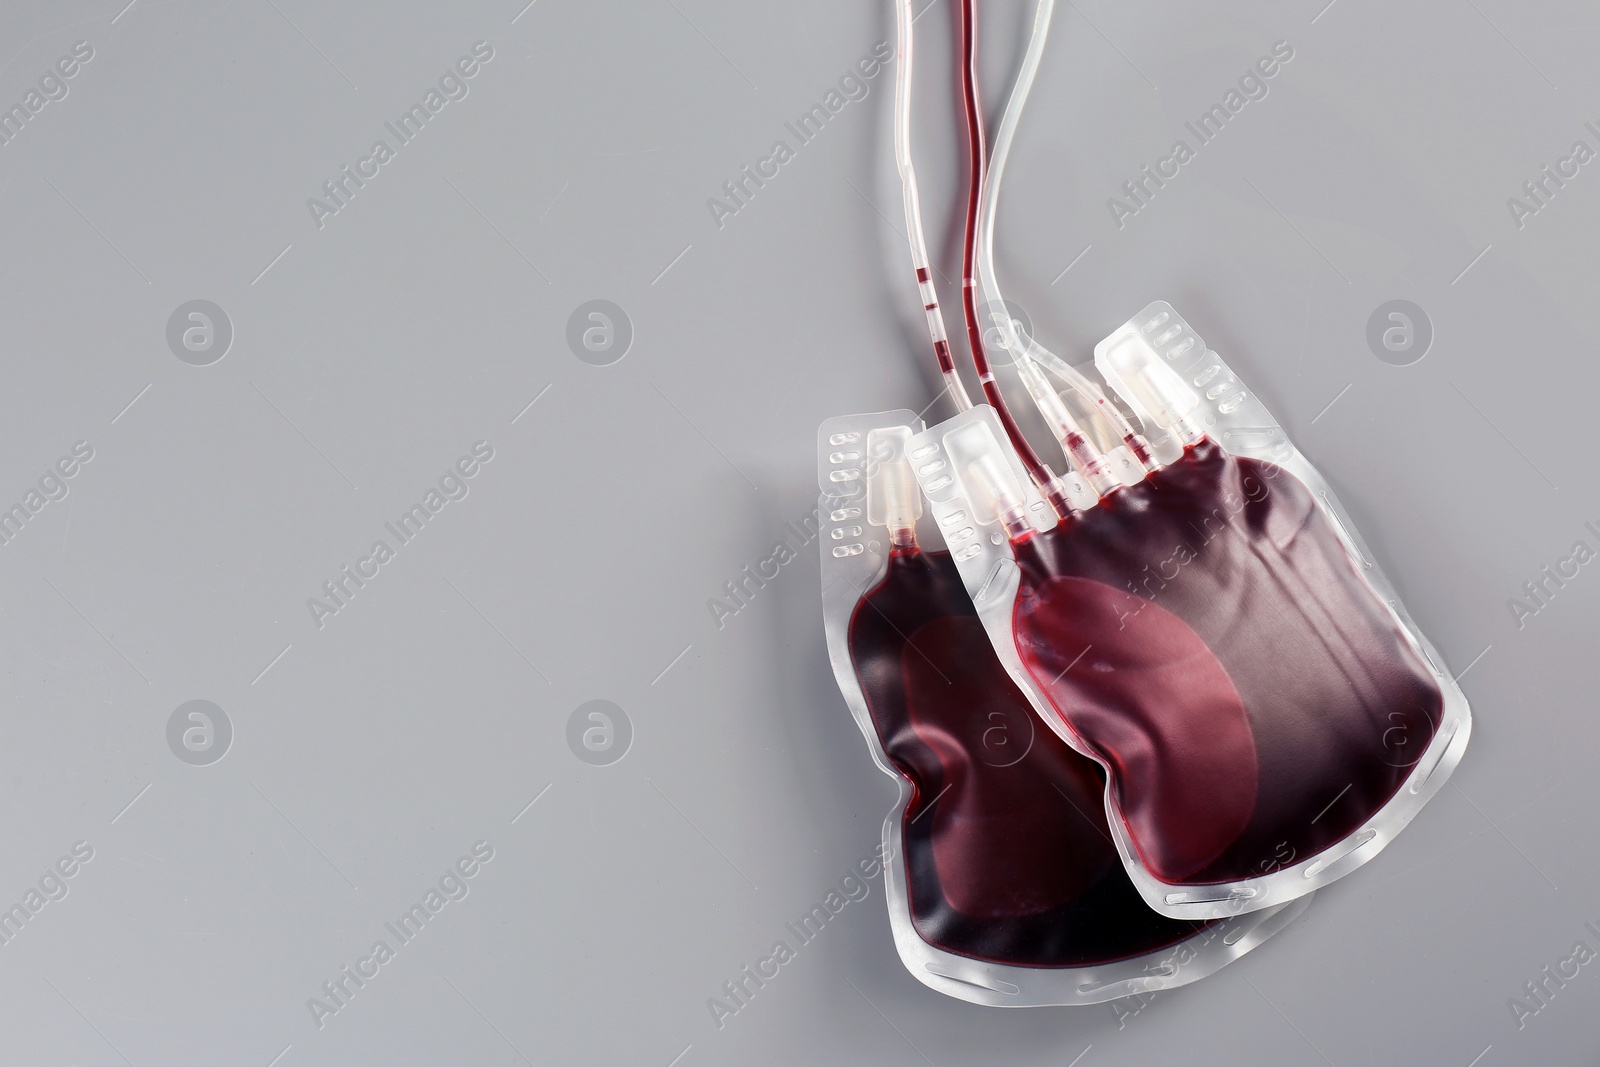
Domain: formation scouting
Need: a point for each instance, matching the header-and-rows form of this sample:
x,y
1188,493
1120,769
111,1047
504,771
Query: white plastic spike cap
x,y
992,489
1152,385
893,499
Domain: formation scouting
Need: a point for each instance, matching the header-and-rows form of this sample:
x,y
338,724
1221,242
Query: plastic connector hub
x,y
1138,370
893,499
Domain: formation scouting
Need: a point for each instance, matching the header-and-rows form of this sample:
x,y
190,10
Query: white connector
x,y
893,499
991,486
1138,372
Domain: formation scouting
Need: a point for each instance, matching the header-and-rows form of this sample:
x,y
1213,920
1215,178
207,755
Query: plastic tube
x,y
1042,476
913,206
1025,349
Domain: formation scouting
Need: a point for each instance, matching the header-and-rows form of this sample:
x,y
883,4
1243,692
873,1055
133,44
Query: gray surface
x,y
424,316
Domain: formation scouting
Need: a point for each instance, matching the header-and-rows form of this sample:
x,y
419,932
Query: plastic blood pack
x,y
1003,884
1215,636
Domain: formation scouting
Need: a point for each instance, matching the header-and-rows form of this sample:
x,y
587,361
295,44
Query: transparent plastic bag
x,y
1215,636
1003,885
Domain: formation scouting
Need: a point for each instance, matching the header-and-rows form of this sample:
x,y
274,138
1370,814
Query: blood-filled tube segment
x,y
1042,476
913,208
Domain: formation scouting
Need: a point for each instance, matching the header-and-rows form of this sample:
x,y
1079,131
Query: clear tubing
x,y
1028,352
1085,458
1042,476
913,205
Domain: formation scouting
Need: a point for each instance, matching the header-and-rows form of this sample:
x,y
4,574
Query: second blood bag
x,y
1003,884
1215,637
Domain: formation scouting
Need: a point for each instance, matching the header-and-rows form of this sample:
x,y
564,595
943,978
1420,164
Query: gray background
x,y
369,754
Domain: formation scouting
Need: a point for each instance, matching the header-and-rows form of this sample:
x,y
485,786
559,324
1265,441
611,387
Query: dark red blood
x,y
1007,853
1146,691
1254,700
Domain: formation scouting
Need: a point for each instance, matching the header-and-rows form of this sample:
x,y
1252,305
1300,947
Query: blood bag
x,y
1216,636
1003,883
